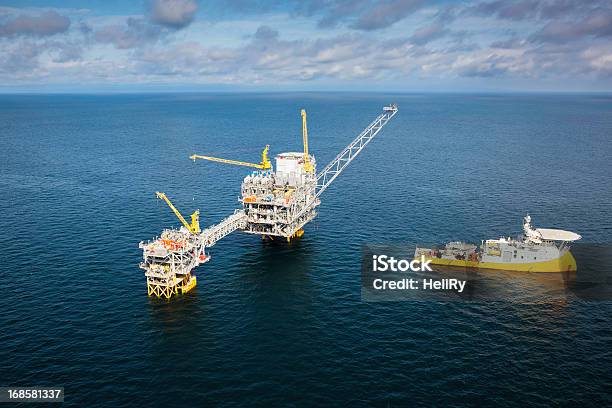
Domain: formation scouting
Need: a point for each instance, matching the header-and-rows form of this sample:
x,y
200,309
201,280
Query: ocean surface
x,y
272,324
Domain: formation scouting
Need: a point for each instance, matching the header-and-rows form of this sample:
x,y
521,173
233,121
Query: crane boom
x,y
194,227
264,165
307,165
226,161
346,156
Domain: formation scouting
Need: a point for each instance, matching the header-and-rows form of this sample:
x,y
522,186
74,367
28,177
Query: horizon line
x,y
296,91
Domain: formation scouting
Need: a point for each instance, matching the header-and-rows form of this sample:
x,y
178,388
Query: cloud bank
x,y
46,24
358,43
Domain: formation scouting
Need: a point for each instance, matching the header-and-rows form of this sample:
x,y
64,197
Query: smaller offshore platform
x,y
277,202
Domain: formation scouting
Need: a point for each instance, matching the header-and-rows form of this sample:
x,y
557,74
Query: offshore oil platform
x,y
276,203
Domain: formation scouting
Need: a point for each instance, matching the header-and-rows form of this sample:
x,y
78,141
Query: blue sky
x,y
360,45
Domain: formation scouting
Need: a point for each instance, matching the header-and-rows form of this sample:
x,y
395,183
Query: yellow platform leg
x,y
189,284
296,234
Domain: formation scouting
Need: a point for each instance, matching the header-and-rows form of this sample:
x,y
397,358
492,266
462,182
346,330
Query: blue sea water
x,y
275,324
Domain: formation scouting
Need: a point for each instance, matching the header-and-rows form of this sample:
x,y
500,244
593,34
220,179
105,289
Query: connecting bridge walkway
x,y
211,235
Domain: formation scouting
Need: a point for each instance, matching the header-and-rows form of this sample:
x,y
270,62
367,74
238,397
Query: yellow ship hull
x,y
566,263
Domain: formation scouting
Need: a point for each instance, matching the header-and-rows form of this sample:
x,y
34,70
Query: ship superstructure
x,y
277,202
538,250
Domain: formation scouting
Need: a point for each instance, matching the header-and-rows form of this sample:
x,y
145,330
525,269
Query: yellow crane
x,y
264,165
307,165
194,227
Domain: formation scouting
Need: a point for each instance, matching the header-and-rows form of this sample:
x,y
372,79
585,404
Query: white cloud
x,y
173,13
